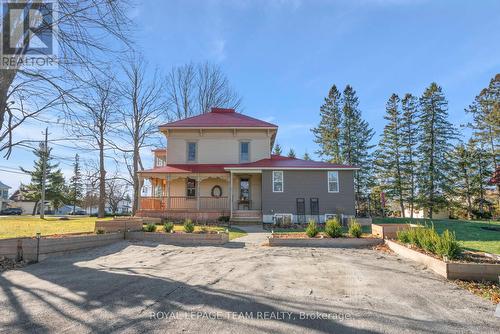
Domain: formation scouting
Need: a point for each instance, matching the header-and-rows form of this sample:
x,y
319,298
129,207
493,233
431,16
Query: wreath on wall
x,y
216,191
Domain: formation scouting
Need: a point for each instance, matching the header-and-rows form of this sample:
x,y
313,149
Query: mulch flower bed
x,y
465,257
320,235
486,290
8,264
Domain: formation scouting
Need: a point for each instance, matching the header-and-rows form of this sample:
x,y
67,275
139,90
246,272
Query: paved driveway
x,y
240,288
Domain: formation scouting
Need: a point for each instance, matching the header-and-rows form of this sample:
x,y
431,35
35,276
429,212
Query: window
x,y
333,182
277,181
244,151
191,151
191,188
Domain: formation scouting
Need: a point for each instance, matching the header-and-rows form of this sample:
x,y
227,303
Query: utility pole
x,y
44,171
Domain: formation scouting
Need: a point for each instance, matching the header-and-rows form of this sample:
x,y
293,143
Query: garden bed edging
x,y
181,239
449,270
324,242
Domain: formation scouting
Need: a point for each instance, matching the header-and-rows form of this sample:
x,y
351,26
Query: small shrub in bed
x,y
447,245
99,231
355,229
188,226
312,229
402,236
223,219
168,227
428,239
150,227
333,228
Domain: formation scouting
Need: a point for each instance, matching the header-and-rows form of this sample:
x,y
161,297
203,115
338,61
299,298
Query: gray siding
x,y
306,184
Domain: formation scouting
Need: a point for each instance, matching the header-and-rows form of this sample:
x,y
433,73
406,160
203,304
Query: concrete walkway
x,y
256,235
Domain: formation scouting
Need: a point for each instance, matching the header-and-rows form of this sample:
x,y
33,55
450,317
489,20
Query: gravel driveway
x,y
242,287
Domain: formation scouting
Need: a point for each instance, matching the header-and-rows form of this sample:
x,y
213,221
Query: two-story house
x,y
4,195
220,164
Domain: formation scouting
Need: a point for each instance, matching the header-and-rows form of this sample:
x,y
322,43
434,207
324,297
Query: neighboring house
x,y
124,207
4,195
220,164
18,200
67,209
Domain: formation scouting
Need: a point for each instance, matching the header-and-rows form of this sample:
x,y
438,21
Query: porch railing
x,y
203,203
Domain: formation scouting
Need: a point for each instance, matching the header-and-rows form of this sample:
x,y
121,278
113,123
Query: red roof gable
x,y
275,162
219,117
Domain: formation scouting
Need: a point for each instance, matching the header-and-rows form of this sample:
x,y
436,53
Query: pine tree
x,y
355,137
54,190
306,156
328,132
435,137
291,153
389,156
485,111
277,149
409,137
76,185
462,176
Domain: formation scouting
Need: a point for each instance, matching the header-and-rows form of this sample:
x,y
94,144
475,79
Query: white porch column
x,y
231,194
198,192
139,193
168,192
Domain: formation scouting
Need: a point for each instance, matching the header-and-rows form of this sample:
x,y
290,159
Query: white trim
x,y
166,128
329,216
293,168
328,181
282,181
276,215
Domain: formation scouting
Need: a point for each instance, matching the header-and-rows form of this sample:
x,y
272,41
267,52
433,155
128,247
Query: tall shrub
x,y
333,228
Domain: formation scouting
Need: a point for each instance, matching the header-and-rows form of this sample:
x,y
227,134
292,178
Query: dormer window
x,y
244,151
192,149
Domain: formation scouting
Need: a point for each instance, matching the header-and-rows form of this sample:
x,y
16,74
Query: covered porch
x,y
201,196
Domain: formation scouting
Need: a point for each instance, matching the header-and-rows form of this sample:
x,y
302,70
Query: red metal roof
x,y
274,162
219,117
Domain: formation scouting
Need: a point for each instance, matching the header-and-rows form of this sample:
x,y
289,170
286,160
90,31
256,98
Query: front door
x,y
244,199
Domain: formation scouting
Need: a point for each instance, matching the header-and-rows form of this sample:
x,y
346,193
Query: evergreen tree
x,y
389,156
291,153
328,132
76,185
485,111
409,141
482,175
355,137
462,176
306,156
277,149
54,189
435,137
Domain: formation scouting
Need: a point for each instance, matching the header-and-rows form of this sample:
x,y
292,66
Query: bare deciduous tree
x,y
144,107
116,192
194,89
91,120
84,31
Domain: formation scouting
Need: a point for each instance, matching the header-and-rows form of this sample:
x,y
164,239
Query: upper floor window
x,y
192,149
277,181
244,151
333,181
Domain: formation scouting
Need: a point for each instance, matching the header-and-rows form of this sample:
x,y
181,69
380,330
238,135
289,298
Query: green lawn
x,y
28,226
234,232
470,233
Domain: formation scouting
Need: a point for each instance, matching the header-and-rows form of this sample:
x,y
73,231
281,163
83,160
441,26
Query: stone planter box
x,y
389,231
324,242
181,239
449,270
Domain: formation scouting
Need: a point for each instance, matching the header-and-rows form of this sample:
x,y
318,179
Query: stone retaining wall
x,y
181,239
449,270
325,242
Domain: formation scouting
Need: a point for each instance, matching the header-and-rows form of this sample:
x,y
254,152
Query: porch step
x,y
247,216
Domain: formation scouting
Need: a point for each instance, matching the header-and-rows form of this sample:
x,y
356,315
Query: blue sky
x,y
282,56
